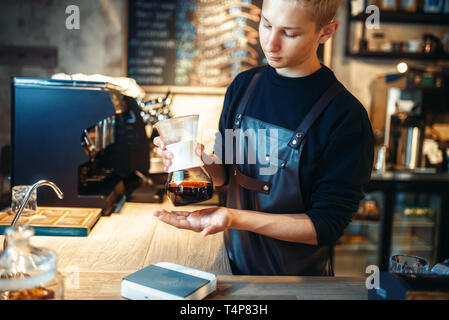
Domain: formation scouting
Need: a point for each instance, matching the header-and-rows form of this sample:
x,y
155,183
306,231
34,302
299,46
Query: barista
x,y
287,223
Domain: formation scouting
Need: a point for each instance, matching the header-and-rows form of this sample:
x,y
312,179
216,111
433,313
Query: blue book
x,y
168,281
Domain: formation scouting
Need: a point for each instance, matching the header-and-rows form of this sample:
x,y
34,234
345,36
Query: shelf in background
x,y
407,17
413,222
370,247
397,55
411,248
410,176
360,246
369,223
402,223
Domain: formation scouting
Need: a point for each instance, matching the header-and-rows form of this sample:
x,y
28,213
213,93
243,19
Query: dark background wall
x,y
97,47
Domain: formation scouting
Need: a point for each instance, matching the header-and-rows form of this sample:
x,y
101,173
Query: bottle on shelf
x,y
433,6
409,5
376,41
445,6
390,5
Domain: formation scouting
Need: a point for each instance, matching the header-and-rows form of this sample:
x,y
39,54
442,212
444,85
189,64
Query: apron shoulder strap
x,y
244,102
314,114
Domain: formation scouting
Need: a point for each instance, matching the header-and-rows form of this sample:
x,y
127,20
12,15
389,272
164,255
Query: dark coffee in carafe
x,y
188,192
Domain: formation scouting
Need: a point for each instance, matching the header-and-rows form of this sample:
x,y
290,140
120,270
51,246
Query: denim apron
x,y
271,184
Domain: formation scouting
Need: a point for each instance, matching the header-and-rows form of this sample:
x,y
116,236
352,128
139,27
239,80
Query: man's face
x,y
288,37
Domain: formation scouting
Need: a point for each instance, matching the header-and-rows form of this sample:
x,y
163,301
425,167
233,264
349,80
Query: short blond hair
x,y
321,11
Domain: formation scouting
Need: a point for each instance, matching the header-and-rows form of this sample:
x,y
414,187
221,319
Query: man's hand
x,y
207,221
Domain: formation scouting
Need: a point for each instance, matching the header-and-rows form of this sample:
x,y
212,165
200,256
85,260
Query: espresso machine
x,y
87,137
411,114
406,141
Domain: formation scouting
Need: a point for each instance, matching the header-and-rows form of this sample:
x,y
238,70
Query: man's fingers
x,y
164,153
166,158
167,155
167,164
199,149
174,220
178,219
158,142
182,213
168,212
160,212
161,151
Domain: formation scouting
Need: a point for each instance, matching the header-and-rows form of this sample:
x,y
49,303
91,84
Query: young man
x,y
287,223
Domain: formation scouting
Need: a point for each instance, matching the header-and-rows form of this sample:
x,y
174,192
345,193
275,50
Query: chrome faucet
x,y
28,194
26,199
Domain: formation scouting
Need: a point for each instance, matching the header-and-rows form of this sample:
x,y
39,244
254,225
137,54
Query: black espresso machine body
x,y
87,137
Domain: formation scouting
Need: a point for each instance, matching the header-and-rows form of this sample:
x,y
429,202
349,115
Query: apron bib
x,y
279,191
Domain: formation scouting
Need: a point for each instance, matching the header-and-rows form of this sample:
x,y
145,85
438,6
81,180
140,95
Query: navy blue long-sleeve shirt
x,y
338,154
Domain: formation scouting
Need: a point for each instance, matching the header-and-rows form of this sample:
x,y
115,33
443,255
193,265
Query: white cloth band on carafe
x,y
184,155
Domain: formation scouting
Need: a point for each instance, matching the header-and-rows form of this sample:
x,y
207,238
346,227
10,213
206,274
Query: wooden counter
x,y
125,242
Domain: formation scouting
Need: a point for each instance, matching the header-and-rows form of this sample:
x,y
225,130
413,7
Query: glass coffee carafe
x,y
26,272
188,181
189,186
